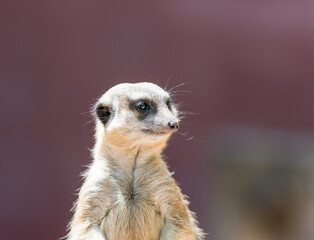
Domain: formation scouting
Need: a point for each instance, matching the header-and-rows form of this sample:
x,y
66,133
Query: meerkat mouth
x,y
151,132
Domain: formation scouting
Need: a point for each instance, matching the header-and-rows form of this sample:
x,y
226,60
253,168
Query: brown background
x,y
248,63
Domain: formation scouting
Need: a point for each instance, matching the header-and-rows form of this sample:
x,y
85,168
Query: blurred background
x,y
245,158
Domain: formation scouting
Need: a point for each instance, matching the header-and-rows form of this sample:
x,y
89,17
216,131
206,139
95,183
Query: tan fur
x,y
128,192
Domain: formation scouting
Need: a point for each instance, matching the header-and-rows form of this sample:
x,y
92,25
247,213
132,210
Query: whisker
x,y
190,138
189,113
85,113
175,95
182,133
87,123
168,80
180,91
178,105
179,85
157,81
187,138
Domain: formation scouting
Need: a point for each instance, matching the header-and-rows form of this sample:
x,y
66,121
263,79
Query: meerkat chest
x,y
134,213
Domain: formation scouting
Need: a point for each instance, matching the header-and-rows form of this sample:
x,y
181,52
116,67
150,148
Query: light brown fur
x,y
128,192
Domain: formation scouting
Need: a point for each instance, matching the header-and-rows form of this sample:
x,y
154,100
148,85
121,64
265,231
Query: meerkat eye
x,y
142,106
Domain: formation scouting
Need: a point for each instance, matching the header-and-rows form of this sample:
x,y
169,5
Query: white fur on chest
x,y
134,209
134,213
132,219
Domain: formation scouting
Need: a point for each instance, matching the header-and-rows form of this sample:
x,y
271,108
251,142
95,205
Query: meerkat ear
x,y
103,113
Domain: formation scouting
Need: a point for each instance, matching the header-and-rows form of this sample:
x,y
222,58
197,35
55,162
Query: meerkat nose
x,y
174,126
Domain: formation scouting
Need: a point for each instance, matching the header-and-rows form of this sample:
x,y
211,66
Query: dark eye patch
x,y
143,108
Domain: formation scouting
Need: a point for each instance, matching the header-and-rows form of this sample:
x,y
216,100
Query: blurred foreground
x,y
263,185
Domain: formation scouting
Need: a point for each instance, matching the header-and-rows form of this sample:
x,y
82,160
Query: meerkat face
x,y
139,112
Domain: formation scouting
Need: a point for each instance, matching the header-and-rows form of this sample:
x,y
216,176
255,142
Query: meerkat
x,y
128,192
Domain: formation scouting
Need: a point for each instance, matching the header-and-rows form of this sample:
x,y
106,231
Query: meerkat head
x,y
138,113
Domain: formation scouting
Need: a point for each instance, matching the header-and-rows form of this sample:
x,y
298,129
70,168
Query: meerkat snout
x,y
174,126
